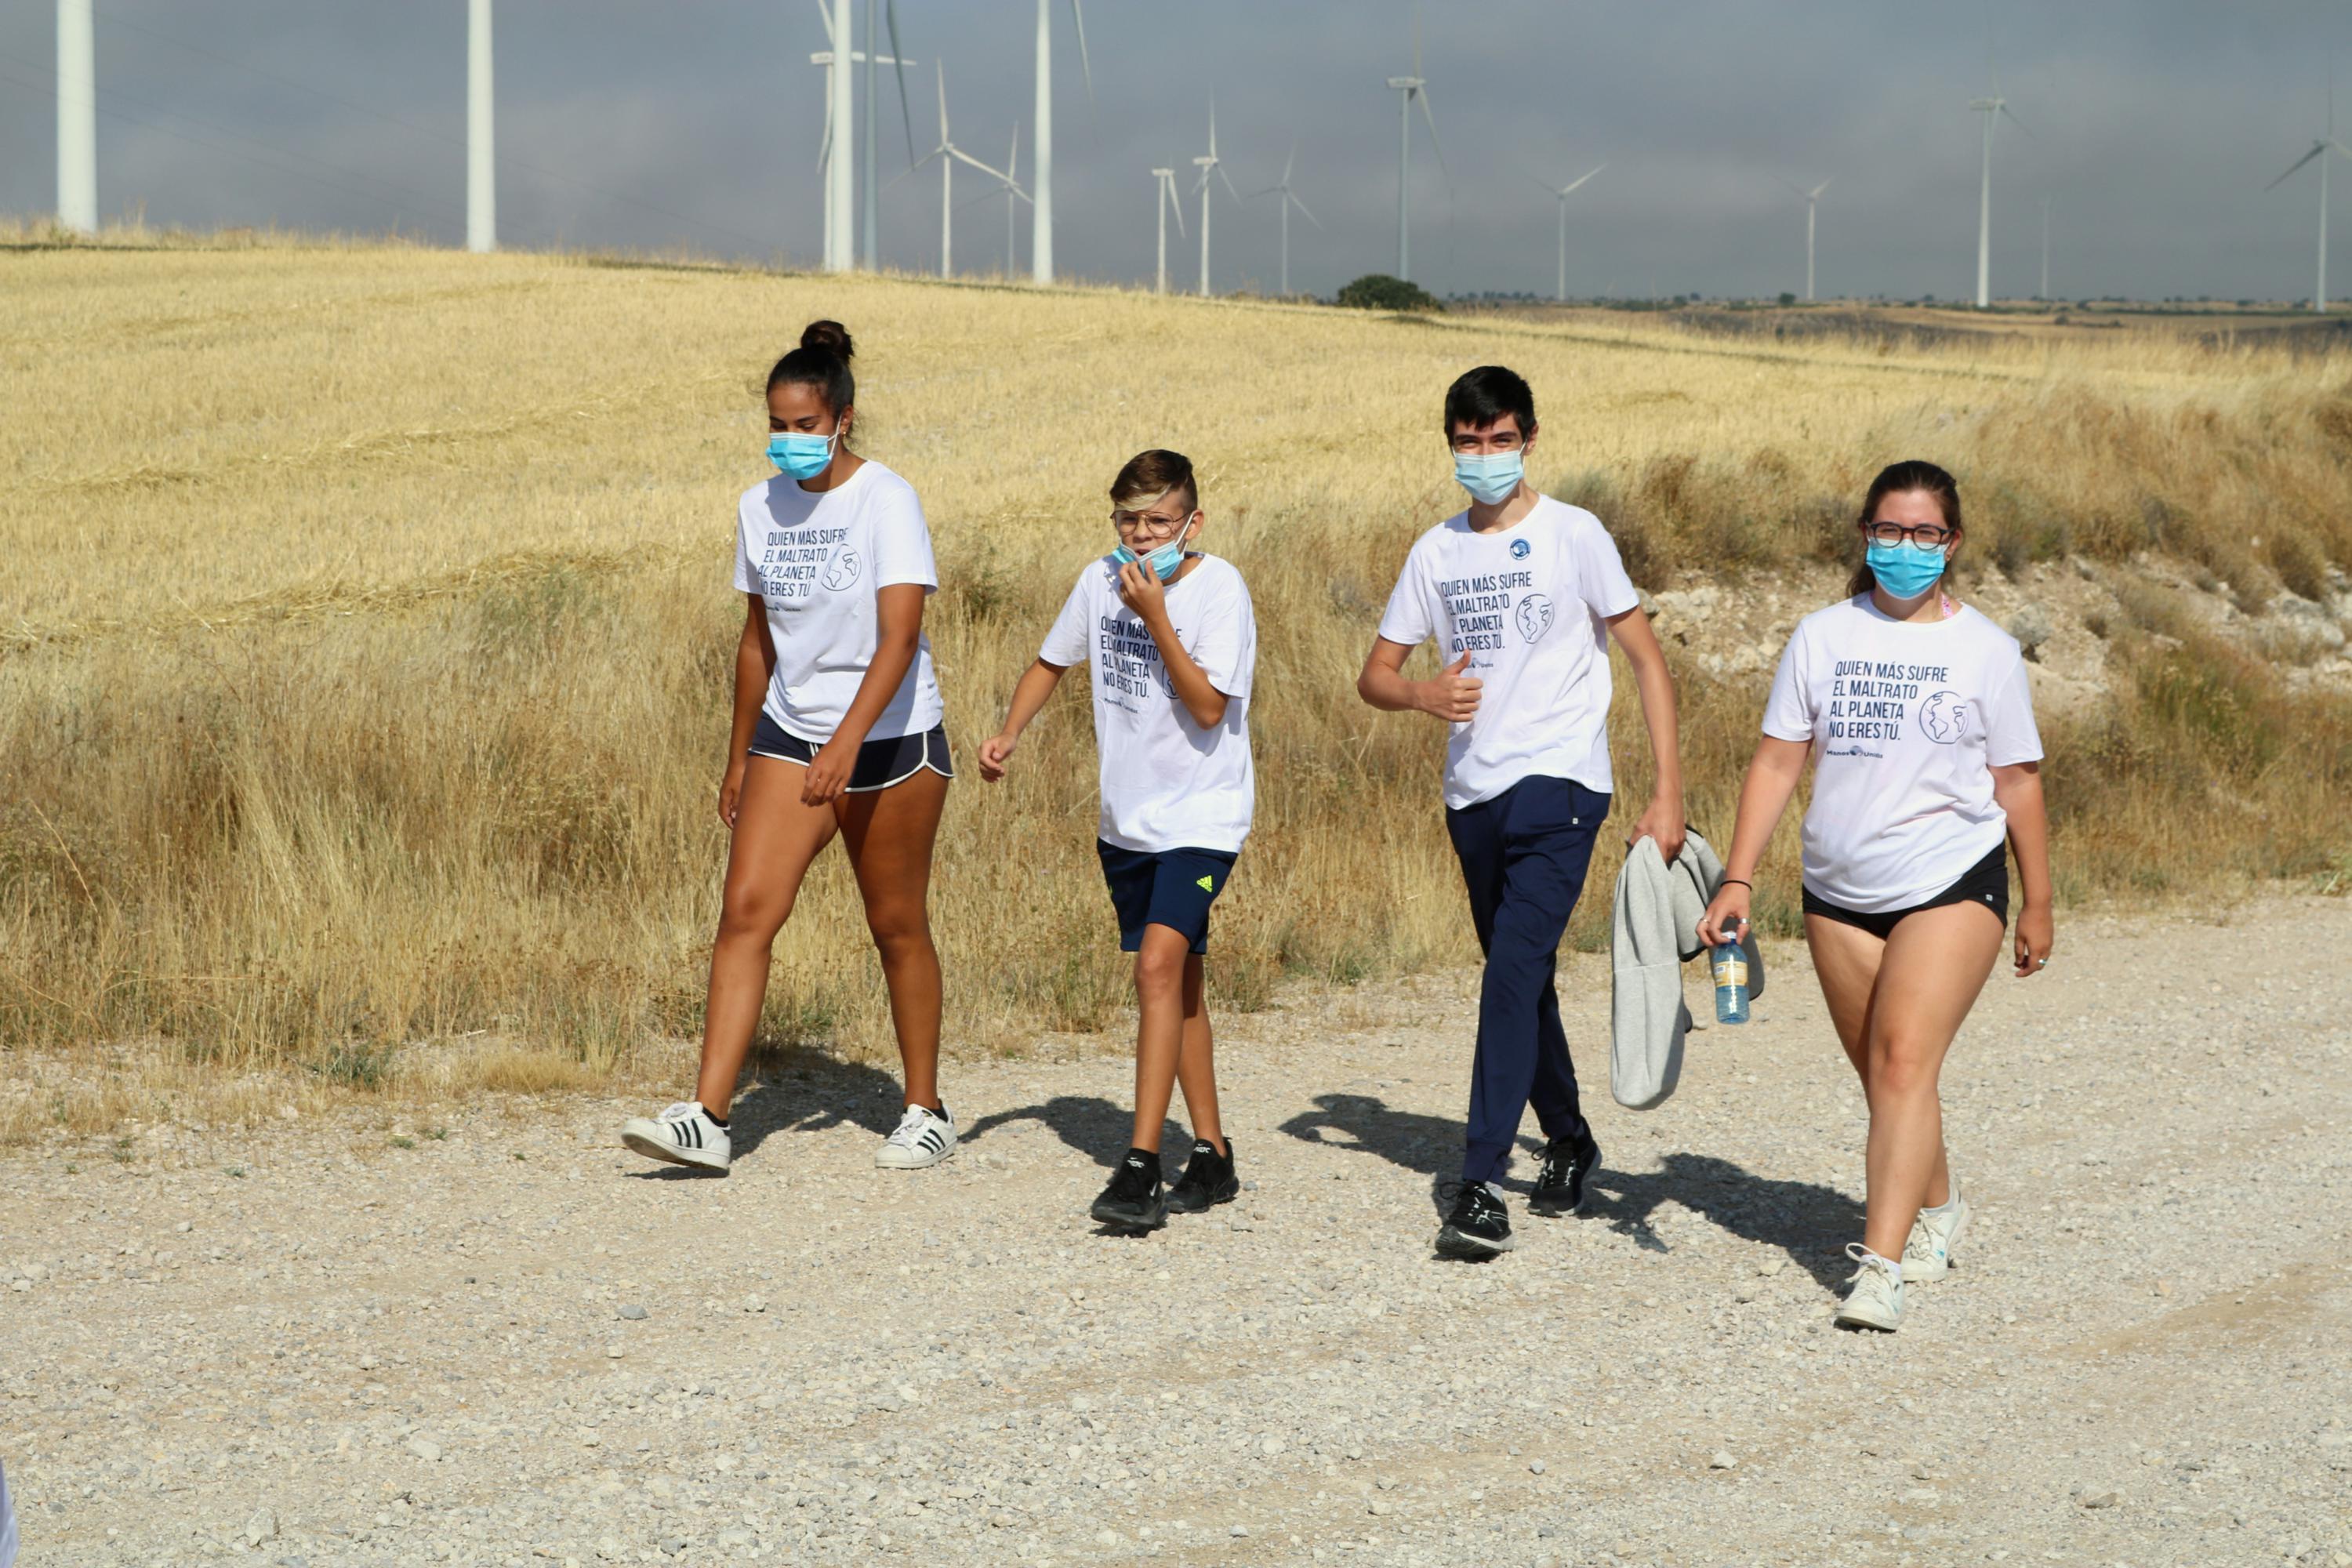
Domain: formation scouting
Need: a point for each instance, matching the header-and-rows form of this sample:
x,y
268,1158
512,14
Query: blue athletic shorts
x,y
879,765
1173,888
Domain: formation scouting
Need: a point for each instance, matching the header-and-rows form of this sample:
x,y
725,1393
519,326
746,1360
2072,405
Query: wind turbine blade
x,y
1549,189
1423,94
825,16
944,137
2341,148
1815,194
1286,165
1302,207
1581,178
1175,205
1086,66
2013,119
1790,184
2316,149
898,65
911,170
1416,37
1012,159
1229,183
960,156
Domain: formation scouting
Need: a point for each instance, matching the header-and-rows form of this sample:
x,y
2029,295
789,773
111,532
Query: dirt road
x,y
498,1337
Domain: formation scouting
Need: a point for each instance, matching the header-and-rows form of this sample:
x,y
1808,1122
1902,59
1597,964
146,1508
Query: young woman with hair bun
x,y
1926,770
836,731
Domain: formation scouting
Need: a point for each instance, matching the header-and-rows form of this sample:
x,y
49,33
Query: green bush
x,y
1378,292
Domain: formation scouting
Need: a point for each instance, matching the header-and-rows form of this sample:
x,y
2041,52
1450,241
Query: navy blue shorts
x,y
880,764
1172,887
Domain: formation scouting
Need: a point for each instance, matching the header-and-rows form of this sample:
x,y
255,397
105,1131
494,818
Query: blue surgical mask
x,y
1490,477
1903,571
1163,562
800,454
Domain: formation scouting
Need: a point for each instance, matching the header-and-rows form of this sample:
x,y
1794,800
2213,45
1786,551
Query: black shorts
x,y
1986,883
1172,887
880,764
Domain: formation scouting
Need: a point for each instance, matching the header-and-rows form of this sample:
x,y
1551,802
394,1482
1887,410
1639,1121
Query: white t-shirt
x,y
1529,604
815,561
1906,719
1167,783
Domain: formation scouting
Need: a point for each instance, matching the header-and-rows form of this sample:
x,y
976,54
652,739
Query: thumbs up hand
x,y
1452,695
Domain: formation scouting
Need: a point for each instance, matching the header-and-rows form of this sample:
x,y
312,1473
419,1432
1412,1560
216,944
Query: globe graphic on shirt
x,y
1534,616
843,571
1944,717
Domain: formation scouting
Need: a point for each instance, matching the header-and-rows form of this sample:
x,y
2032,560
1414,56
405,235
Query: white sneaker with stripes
x,y
683,1135
923,1138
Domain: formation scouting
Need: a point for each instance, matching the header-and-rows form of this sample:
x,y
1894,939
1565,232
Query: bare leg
x,y
1159,969
775,838
1847,958
888,835
1929,977
1196,1066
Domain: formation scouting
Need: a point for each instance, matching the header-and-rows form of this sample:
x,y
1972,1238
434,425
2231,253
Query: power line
x,y
442,136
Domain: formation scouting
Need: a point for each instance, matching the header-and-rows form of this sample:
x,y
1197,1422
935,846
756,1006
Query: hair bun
x,y
830,336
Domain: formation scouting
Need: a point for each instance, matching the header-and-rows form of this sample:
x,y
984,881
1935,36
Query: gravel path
x,y
516,1344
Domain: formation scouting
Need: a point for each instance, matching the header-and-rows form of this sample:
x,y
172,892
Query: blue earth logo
x,y
1518,549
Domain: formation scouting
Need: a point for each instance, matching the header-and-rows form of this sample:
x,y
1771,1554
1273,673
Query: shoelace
x,y
1868,1263
911,1126
684,1110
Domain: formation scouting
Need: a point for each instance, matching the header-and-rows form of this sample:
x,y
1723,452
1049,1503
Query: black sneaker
x,y
1560,1185
1135,1200
1208,1179
1479,1227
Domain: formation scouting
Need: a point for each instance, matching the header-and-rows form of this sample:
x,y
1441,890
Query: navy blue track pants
x,y
1524,854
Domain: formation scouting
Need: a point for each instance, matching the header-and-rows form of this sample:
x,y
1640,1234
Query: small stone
x,y
2099,1499
755,1303
1536,1467
1771,1267
261,1527
426,1448
617,1352
1271,1447
1353,1452
1377,1506
1239,1532
631,1313
1722,1461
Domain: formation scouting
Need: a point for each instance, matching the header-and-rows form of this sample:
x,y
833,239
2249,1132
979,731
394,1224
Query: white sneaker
x,y
683,1135
922,1139
1874,1299
1928,1254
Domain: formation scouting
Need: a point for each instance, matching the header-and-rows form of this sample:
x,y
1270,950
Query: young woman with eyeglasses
x,y
1915,714
837,731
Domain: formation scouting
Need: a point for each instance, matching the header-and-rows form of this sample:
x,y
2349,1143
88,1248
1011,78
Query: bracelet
x,y
1737,882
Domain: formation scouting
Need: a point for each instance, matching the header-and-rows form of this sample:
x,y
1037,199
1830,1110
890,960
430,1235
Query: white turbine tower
x,y
1211,165
1041,233
1561,192
1811,198
1414,89
1992,107
1164,182
1289,199
2046,250
76,118
836,167
2319,149
948,154
870,249
481,150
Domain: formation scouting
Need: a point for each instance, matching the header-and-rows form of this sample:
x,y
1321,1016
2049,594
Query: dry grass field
x,y
366,632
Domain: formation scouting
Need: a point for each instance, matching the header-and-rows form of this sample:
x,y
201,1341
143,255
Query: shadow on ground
x,y
797,1090
1810,1222
1090,1124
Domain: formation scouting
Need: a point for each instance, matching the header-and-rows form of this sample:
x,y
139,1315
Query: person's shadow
x,y
1810,1222
1088,1123
796,1088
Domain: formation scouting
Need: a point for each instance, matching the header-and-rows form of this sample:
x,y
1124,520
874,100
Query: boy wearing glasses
x,y
1172,640
1522,594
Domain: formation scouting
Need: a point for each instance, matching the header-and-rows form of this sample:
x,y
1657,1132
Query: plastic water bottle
x,y
1730,964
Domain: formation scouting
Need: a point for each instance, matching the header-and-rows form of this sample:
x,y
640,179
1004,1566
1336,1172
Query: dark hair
x,y
1479,397
1898,478
822,362
1149,475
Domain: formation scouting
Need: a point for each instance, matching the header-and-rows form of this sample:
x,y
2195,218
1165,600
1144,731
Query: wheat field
x,y
365,642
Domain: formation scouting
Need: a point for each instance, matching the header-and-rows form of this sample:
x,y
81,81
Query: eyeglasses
x,y
1148,524
1923,536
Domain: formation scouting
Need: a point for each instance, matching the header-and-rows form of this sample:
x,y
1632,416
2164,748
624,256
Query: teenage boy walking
x,y
1522,594
1173,641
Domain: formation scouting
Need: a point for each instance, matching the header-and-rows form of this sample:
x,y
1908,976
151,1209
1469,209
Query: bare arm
x,y
2018,789
1029,695
755,666
1764,794
1662,821
899,632
1450,695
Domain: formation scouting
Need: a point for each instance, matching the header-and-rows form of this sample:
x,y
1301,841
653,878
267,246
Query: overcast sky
x,y
661,124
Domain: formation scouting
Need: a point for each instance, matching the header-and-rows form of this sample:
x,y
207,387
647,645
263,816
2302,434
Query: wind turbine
x,y
1012,191
1414,89
1041,232
1289,199
76,118
2046,250
1810,198
948,154
1164,182
2319,149
1561,192
481,151
839,186
1208,167
1992,107
870,252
